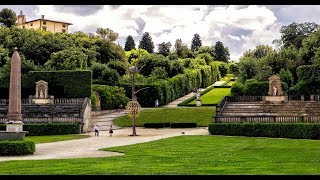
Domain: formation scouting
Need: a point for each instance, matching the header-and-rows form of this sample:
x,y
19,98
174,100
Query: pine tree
x,y
196,42
129,45
221,52
146,42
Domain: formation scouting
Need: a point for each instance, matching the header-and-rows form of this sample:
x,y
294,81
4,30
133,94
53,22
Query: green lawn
x,y
55,138
189,155
201,115
214,96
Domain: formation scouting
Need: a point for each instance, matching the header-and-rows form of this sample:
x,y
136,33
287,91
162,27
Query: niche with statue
x,y
42,96
275,93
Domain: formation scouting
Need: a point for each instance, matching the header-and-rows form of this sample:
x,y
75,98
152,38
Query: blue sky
x,y
239,27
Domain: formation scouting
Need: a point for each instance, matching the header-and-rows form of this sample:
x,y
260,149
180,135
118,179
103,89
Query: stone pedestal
x,y
14,126
14,131
276,99
42,101
198,102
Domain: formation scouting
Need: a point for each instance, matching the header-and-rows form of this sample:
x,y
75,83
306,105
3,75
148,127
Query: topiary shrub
x,y
20,147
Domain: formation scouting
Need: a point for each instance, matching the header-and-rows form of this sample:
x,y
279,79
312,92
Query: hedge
x,y
61,84
49,129
171,125
172,88
19,147
274,130
111,97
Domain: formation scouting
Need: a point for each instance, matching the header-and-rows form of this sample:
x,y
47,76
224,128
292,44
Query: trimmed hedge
x,y
61,84
20,147
274,130
49,129
154,125
183,125
171,125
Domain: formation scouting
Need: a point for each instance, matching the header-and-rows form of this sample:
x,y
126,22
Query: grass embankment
x,y
55,138
214,96
200,115
189,155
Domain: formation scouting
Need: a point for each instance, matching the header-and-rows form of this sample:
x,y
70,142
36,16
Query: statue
x,y
274,90
41,94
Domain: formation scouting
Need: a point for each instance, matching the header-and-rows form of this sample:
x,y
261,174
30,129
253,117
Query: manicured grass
x,y
55,138
214,96
201,115
189,155
231,83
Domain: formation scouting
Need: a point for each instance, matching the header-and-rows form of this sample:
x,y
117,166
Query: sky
x,y
238,27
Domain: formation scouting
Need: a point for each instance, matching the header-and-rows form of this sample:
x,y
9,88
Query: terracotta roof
x,y
48,20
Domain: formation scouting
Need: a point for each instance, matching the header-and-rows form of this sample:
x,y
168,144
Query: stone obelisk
x,y
14,115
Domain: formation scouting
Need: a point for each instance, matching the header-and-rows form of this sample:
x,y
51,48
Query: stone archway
x,y
41,90
275,86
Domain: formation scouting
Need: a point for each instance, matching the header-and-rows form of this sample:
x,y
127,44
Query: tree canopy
x,y
8,17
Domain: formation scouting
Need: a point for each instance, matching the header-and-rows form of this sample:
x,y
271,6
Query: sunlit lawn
x,y
55,138
189,155
214,96
201,115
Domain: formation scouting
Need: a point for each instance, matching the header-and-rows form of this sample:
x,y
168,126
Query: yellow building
x,y
45,24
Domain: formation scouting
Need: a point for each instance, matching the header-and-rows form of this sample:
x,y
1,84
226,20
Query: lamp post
x,y
133,107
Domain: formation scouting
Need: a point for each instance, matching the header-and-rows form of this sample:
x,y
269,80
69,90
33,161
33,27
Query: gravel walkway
x,y
89,147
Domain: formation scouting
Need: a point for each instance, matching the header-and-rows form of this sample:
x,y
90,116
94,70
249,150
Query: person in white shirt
x,y
96,130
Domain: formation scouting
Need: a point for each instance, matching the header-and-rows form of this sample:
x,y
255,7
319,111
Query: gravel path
x,y
89,147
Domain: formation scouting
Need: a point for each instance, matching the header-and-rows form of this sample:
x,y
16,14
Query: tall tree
x,y
164,48
107,33
146,42
196,42
129,45
181,49
221,52
294,33
8,17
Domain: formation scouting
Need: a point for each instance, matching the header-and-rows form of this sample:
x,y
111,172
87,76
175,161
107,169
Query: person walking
x,y
110,131
96,130
156,103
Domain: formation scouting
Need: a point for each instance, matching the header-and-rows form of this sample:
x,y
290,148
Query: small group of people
x,y
96,130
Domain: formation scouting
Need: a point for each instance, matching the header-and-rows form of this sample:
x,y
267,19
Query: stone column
x,y
14,110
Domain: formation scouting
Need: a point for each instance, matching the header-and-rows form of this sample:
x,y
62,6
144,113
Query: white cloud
x,y
234,37
168,23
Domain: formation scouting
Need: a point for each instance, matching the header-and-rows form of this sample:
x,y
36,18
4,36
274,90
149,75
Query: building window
x,y
31,24
63,30
44,23
64,25
44,28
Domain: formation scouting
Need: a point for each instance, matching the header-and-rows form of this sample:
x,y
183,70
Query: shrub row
x,y
274,130
171,125
49,129
61,84
254,88
173,88
19,147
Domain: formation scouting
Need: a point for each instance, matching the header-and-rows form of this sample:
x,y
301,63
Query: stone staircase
x,y
290,108
105,120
